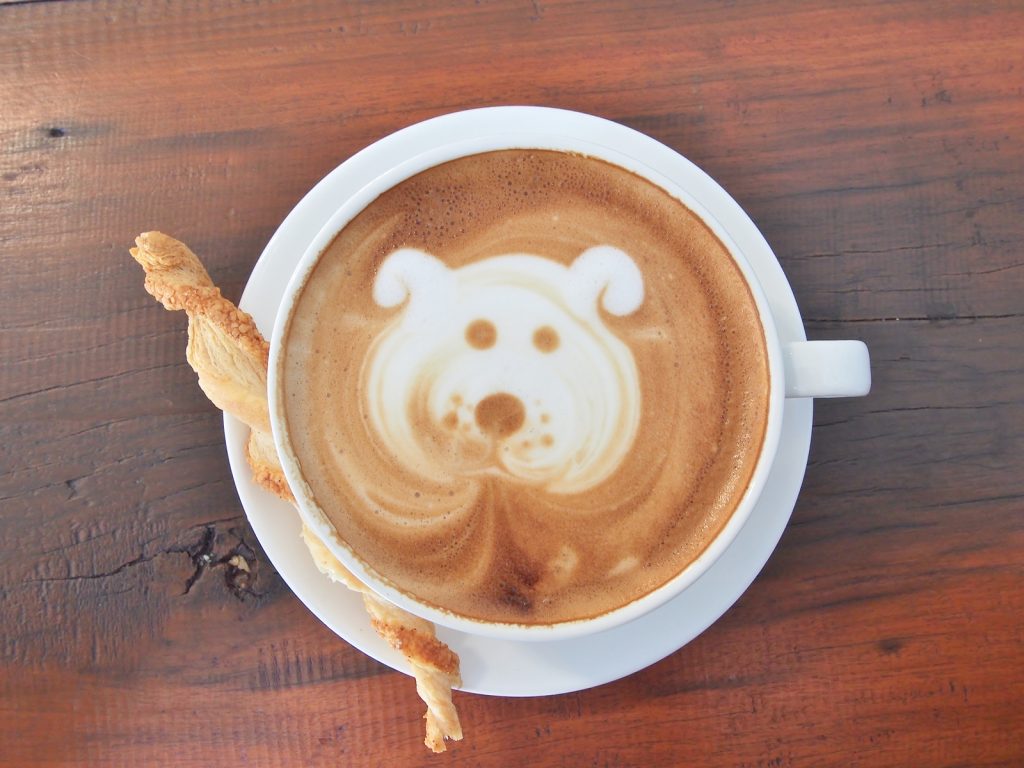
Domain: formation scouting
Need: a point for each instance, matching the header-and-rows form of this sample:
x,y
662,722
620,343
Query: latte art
x,y
525,386
505,368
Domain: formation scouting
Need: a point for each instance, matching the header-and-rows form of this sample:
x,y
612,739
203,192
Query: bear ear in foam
x,y
608,273
406,273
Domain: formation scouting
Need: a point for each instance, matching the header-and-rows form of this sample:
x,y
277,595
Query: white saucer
x,y
497,667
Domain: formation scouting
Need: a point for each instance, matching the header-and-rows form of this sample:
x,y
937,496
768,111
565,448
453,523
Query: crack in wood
x,y
240,562
976,500
12,3
866,251
202,555
976,273
104,575
914,319
913,409
96,380
64,351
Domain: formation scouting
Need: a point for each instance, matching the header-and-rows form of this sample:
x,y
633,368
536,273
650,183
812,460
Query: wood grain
x,y
878,147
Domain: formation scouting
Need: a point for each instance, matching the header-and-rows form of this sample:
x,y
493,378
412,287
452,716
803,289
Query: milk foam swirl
x,y
505,367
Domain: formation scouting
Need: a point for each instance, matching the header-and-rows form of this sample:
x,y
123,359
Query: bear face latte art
x,y
526,386
508,366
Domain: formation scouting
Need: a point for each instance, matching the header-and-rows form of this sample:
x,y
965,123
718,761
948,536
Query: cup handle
x,y
826,368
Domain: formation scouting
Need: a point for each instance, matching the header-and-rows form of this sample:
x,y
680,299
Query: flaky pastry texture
x,y
413,637
230,356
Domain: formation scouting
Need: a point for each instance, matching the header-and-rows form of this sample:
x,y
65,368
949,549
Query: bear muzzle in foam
x,y
505,367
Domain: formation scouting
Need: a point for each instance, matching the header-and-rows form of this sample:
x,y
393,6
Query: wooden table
x,y
879,147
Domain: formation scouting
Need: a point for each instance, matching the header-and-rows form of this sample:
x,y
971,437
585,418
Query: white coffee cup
x,y
796,369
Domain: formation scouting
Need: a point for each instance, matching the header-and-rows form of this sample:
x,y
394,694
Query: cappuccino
x,y
526,386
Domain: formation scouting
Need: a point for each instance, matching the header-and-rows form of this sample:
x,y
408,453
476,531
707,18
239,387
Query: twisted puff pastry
x,y
230,356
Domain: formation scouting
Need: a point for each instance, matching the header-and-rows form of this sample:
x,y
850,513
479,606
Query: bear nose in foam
x,y
500,415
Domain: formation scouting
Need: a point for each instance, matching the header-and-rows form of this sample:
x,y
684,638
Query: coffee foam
x,y
526,386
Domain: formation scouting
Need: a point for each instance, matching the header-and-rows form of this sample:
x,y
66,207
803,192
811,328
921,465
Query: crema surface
x,y
526,386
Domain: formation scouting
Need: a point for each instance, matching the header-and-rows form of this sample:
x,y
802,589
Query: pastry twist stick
x,y
230,356
437,666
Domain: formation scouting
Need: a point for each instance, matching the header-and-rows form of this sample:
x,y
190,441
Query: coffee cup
x,y
527,386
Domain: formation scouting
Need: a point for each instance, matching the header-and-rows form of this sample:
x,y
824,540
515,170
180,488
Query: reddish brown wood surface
x,y
879,146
